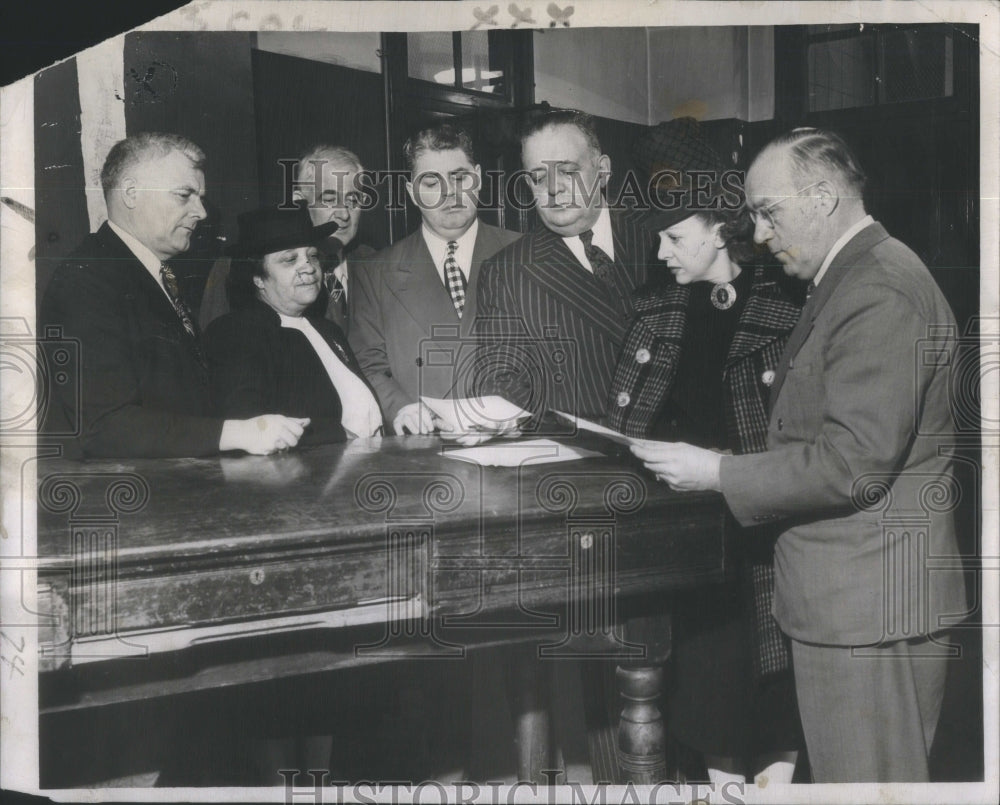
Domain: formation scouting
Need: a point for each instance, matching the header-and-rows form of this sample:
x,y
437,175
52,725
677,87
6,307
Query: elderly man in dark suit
x,y
143,381
419,295
856,449
327,184
554,306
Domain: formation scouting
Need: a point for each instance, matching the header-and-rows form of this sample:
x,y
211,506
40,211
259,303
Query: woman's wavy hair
x,y
736,231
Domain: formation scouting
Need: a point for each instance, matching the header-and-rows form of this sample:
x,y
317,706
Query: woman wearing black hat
x,y
696,365
266,355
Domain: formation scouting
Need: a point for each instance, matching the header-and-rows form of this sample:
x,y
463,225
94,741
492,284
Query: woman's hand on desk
x,y
263,434
682,466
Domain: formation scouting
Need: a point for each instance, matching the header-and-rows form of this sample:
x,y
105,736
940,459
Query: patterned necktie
x,y
173,291
170,284
602,264
454,279
337,291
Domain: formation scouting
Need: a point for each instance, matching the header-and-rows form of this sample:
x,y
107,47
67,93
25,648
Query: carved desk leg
x,y
528,693
641,741
641,732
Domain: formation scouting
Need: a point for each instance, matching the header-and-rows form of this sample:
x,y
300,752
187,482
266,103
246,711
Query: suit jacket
x,y
215,302
550,330
860,407
405,331
143,387
259,367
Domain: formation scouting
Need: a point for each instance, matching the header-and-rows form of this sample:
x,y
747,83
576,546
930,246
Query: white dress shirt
x,y
438,247
360,415
602,239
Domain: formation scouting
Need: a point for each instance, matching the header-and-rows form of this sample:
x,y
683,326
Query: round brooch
x,y
723,296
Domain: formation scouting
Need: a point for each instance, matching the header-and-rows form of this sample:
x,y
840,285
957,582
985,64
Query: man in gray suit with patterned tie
x,y
857,469
420,292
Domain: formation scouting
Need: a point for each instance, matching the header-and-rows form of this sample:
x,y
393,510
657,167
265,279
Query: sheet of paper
x,y
476,413
514,454
593,427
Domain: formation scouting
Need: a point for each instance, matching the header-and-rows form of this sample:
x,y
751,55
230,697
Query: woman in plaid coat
x,y
696,366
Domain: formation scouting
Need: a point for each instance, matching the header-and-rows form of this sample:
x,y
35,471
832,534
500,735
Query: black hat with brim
x,y
270,230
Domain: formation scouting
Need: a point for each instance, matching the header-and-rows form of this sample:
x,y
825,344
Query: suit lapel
x,y
554,268
487,244
859,245
415,284
766,317
146,289
630,257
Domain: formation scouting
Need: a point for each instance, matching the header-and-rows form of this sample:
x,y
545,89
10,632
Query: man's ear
x,y
258,282
128,192
409,192
826,196
299,197
604,169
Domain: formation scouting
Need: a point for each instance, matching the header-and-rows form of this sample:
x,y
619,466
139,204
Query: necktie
x,y
602,264
170,284
454,279
337,291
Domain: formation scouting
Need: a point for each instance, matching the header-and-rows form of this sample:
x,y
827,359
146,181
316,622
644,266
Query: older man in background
x,y
327,184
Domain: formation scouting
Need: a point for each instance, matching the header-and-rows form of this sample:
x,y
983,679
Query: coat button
x,y
623,399
767,378
781,423
642,355
419,361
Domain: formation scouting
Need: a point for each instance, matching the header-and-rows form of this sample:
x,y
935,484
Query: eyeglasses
x,y
765,215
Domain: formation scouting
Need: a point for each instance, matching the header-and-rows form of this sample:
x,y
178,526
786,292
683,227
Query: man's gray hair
x,y
325,152
126,154
815,153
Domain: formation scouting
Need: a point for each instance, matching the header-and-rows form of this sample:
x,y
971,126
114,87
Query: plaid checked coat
x,y
645,374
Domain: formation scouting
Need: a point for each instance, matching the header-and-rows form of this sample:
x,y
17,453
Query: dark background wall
x,y
299,103
200,87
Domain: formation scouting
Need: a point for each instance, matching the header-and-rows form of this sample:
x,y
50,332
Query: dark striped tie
x,y
599,261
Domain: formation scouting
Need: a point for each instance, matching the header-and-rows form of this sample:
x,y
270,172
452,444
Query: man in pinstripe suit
x,y
554,306
553,310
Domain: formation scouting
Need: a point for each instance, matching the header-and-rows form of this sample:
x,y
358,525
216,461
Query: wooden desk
x,y
226,571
